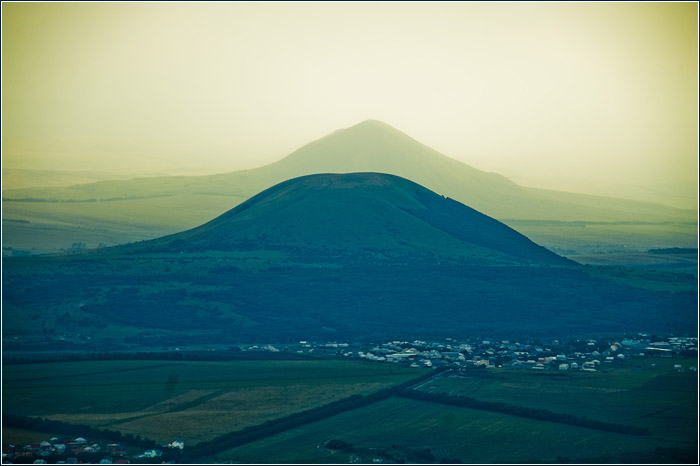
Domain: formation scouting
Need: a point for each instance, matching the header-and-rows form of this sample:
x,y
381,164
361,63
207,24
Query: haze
x,y
590,97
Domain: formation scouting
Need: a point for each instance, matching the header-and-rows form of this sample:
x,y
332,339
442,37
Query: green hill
x,y
353,213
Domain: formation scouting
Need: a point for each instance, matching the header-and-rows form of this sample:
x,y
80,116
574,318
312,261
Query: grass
x,y
648,396
657,398
396,427
195,401
16,436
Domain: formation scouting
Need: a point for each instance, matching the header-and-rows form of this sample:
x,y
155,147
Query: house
x,y
152,453
178,443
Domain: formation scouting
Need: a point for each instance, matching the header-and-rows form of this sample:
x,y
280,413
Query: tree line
x,y
75,430
522,411
231,354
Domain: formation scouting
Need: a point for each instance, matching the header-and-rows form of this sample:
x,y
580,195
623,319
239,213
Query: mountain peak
x,y
375,128
371,123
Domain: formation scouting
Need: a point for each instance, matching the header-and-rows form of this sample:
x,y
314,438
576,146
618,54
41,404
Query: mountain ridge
x,y
363,148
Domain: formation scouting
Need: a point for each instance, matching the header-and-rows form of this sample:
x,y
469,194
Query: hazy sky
x,y
596,97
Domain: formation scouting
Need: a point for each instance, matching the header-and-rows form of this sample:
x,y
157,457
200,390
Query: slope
x,y
350,213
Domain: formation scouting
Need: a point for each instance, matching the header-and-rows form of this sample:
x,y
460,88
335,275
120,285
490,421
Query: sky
x,y
587,97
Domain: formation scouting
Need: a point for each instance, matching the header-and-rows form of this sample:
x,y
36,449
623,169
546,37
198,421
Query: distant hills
x,y
15,178
121,211
330,257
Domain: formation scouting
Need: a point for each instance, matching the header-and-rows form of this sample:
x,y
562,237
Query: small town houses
x,y
64,450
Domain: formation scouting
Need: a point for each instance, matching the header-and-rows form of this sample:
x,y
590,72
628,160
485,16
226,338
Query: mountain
x,y
148,207
330,257
353,213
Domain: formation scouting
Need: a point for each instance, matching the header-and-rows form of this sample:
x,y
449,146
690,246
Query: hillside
x,y
113,212
356,213
331,256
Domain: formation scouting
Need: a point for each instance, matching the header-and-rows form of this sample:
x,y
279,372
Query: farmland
x,y
648,393
195,401
214,405
395,428
398,429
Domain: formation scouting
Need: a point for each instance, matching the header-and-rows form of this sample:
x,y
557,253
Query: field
x,y
49,227
654,397
194,401
198,401
401,427
606,243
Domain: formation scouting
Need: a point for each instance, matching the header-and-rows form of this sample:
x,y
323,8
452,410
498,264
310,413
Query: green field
x,y
400,426
194,401
198,401
657,398
396,429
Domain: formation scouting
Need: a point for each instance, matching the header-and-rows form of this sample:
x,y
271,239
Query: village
x,y
577,354
79,450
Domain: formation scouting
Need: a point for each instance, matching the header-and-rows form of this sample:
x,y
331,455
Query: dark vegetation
x,y
674,251
521,411
75,430
193,300
342,445
233,354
